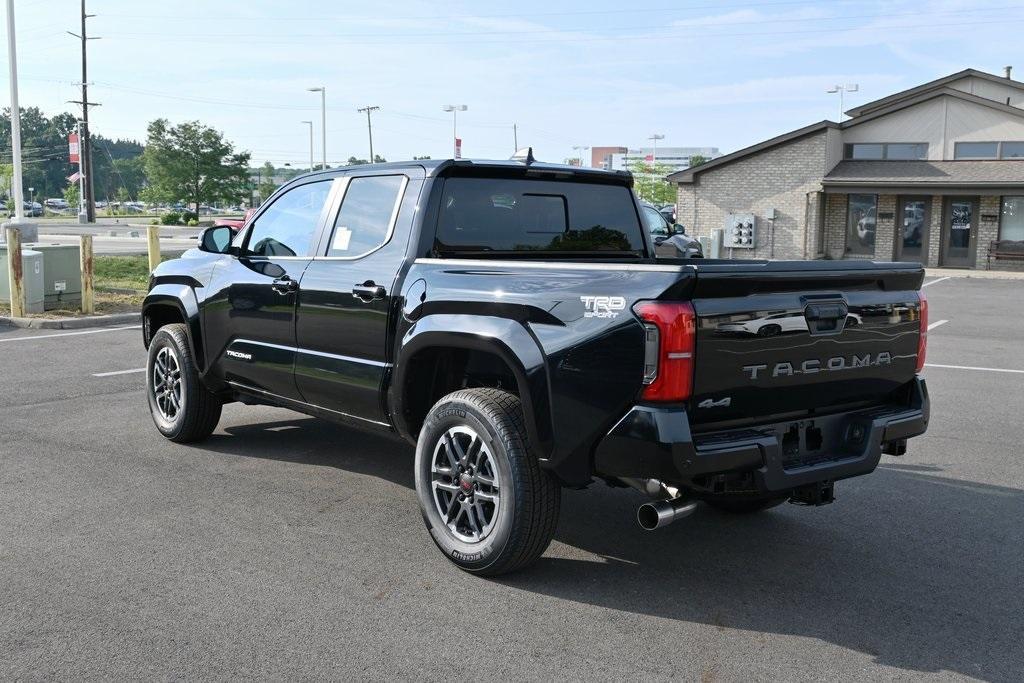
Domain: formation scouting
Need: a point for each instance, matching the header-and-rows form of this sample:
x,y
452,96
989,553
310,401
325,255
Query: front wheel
x,y
182,408
488,505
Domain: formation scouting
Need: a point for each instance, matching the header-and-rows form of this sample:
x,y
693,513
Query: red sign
x,y
458,148
649,157
73,148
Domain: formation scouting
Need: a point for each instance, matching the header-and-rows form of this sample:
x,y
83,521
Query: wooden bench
x,y
1005,250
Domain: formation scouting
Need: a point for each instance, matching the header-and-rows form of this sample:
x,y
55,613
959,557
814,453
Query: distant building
x,y
932,174
620,158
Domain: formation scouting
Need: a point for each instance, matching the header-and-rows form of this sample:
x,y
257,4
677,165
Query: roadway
x,y
286,547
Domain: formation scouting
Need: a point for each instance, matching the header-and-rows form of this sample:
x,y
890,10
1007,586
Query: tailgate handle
x,y
826,318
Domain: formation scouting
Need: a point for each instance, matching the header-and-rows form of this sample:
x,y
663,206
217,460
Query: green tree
x,y
697,160
72,195
377,159
416,158
649,182
194,163
266,180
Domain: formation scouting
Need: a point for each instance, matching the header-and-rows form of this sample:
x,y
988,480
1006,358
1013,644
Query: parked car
x,y
511,321
670,240
32,209
235,223
778,323
669,212
56,204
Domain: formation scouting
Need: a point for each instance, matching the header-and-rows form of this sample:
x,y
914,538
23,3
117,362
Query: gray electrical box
x,y
32,281
740,231
62,275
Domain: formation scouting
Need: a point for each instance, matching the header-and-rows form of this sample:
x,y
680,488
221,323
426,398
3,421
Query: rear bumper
x,y
656,442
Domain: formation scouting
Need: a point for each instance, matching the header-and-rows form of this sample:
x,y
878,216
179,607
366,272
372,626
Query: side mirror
x,y
678,229
216,240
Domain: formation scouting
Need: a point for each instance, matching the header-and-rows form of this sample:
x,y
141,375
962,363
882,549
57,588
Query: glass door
x,y
959,232
912,226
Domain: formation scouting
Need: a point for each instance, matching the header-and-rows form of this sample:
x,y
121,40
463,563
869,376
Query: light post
x,y
455,109
841,89
323,119
310,145
655,137
579,149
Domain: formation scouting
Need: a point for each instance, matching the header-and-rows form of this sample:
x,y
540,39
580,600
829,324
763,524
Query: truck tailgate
x,y
792,339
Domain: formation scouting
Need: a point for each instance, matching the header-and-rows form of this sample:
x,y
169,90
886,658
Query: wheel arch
x,y
167,304
441,352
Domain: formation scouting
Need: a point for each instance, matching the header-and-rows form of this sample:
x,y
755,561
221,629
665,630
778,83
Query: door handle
x,y
285,285
368,291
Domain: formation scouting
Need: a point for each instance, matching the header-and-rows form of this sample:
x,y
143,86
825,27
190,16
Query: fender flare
x,y
183,299
508,339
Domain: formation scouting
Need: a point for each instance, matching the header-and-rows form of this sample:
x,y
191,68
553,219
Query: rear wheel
x,y
488,505
741,506
769,331
182,409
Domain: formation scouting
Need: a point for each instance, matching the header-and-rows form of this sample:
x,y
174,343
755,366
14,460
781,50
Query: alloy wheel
x,y
464,484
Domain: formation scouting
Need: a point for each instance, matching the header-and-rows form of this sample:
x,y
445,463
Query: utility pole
x,y
17,190
515,138
85,140
369,127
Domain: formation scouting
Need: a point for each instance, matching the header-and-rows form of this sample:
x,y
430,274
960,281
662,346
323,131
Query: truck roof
x,y
437,167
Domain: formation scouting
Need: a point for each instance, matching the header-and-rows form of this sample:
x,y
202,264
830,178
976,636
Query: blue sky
x,y
597,72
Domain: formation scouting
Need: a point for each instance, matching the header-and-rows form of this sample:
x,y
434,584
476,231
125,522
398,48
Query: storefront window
x,y
1011,223
861,216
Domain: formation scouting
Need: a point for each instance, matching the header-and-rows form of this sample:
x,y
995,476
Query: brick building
x,y
932,174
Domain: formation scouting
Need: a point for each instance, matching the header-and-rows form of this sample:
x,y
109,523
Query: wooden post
x,y
15,274
85,251
153,233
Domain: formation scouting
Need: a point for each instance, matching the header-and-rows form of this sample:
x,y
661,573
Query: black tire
x,y
741,506
769,331
198,410
523,520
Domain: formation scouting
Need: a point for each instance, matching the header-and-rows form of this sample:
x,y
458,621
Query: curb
x,y
72,323
975,274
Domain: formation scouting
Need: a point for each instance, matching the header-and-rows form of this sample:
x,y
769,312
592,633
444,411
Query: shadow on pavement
x,y
920,571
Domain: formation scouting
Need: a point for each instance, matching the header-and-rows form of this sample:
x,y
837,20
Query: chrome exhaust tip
x,y
660,513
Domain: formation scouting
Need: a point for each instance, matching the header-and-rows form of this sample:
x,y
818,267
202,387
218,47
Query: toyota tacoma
x,y
511,320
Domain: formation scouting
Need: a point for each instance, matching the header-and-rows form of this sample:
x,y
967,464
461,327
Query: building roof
x,y
931,85
927,174
687,174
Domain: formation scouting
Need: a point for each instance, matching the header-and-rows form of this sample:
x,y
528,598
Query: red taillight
x,y
668,356
922,343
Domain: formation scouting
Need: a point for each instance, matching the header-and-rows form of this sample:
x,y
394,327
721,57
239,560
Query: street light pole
x,y
455,109
310,145
369,127
323,119
579,149
841,89
655,137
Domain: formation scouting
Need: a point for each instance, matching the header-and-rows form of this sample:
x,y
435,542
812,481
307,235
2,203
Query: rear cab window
x,y
482,217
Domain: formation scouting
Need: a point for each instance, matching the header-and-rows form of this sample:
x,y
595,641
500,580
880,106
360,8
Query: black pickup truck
x,y
510,319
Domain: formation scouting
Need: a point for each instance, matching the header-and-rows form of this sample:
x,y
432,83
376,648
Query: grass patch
x,y
121,272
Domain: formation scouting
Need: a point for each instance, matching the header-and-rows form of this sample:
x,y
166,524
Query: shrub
x,y
171,218
188,216
154,222
192,222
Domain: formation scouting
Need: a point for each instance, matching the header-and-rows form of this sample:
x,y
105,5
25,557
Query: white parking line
x,y
71,334
970,367
118,372
936,324
934,281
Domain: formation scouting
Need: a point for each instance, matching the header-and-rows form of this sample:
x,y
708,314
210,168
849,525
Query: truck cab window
x,y
286,227
488,215
367,215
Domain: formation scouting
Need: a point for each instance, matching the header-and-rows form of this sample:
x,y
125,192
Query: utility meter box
x,y
62,275
32,280
740,231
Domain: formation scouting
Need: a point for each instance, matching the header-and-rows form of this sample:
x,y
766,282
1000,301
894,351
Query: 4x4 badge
x,y
712,403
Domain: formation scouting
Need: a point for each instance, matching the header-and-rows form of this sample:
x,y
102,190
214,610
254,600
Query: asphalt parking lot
x,y
286,547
